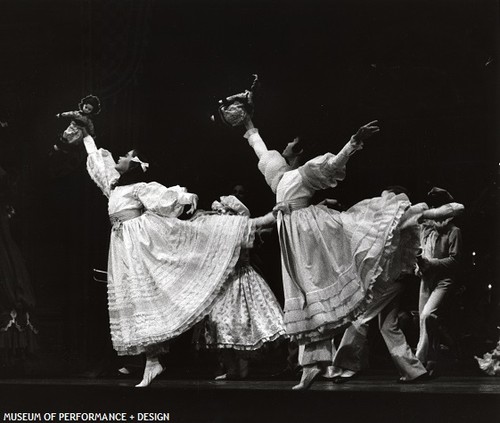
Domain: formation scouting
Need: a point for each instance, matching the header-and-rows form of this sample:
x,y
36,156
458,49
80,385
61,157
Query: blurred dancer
x,y
17,300
438,267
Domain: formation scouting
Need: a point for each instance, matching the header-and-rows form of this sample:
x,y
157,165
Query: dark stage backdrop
x,y
427,70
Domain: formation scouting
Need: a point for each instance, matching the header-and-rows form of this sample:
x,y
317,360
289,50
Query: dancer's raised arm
x,y
100,165
89,143
271,163
356,142
420,212
443,212
254,139
326,170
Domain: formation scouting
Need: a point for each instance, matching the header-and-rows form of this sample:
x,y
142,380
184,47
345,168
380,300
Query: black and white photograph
x,y
255,211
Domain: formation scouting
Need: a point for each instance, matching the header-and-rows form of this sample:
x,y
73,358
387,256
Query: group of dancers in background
x,y
340,269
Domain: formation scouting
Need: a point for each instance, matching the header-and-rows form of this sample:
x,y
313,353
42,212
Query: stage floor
x,y
366,399
380,384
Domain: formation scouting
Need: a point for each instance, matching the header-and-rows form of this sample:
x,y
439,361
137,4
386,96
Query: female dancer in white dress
x,y
330,260
248,315
164,274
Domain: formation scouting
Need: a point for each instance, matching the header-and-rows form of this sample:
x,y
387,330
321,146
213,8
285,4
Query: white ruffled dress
x,y
248,315
164,274
330,259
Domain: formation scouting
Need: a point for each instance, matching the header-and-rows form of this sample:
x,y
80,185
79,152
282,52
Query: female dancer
x,y
164,274
331,260
248,315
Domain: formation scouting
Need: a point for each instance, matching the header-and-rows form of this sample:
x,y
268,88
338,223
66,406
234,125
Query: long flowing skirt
x,y
247,316
332,259
165,274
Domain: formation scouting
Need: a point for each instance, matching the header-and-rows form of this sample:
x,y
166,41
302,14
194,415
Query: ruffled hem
x,y
247,315
245,347
323,318
246,233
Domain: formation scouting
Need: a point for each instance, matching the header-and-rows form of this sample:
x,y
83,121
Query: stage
x,y
371,398
426,70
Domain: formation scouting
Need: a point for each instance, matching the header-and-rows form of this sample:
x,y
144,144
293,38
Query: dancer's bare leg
x,y
153,368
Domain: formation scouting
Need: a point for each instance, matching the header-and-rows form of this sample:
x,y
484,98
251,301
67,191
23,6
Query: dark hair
x,y
298,148
135,173
93,101
297,152
437,197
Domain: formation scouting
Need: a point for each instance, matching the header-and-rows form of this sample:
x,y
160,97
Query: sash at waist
x,y
288,206
124,215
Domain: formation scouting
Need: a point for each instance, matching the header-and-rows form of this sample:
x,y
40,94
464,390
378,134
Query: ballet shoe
x,y
308,376
332,372
425,377
232,377
152,370
123,371
346,376
236,370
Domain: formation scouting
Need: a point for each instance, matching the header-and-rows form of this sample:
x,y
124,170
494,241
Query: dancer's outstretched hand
x,y
365,132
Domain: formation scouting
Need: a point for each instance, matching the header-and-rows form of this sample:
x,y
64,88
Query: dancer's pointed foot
x,y
346,376
123,371
153,369
308,375
331,372
425,377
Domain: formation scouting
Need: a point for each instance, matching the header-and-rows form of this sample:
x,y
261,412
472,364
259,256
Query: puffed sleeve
x,y
325,171
273,166
271,163
100,166
164,201
322,172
